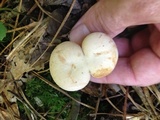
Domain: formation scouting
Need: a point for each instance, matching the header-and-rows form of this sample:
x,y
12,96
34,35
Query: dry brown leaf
x,y
7,115
22,54
19,67
4,87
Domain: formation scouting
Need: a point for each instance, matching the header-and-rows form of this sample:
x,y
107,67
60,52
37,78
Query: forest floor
x,y
29,31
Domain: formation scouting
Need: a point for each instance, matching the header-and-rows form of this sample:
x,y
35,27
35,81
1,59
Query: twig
x,y
139,107
47,13
96,109
56,34
25,39
23,27
17,18
150,101
24,100
125,104
113,105
60,90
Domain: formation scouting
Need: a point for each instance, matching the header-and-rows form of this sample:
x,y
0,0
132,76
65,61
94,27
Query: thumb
x,y
113,16
96,20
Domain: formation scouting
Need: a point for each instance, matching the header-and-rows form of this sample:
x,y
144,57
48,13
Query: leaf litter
x,y
27,55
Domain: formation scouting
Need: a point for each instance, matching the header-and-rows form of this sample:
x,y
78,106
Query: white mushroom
x,y
101,54
71,65
68,67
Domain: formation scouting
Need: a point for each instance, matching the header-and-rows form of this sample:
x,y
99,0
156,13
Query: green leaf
x,y
3,31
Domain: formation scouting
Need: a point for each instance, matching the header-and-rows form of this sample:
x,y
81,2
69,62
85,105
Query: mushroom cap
x,y
101,54
68,67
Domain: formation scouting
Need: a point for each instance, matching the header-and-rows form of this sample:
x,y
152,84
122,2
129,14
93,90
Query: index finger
x,y
141,69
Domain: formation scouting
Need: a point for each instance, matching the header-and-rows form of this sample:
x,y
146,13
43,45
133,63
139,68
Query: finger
x,y
140,40
97,18
155,40
127,47
141,69
123,46
112,17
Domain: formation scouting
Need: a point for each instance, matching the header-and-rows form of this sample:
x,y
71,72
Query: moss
x,y
45,99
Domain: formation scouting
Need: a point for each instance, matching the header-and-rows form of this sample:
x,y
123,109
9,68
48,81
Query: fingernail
x,y
78,33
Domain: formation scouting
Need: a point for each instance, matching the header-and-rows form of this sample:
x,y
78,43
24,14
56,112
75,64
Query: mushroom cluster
x,y
72,65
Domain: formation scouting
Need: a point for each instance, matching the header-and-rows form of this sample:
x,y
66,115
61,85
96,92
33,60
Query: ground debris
x,y
32,29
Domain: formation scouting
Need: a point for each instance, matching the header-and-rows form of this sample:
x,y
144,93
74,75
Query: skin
x,y
139,58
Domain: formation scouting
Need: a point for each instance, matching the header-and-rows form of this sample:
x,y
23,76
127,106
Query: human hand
x,y
139,58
